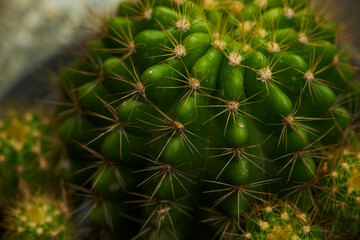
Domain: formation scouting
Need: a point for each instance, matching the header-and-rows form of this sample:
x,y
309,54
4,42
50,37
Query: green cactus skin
x,y
22,152
208,102
40,218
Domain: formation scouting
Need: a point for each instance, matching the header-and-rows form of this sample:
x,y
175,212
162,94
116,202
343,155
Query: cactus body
x,y
193,105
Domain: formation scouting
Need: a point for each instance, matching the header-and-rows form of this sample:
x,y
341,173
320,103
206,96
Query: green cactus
x,y
38,217
23,160
281,221
182,106
339,200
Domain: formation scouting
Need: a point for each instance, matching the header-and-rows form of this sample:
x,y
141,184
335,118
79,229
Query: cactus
x,y
38,217
186,110
23,159
281,221
28,167
339,201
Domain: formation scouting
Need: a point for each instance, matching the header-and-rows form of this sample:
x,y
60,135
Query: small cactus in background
x,y
38,217
187,112
339,198
27,167
281,221
23,158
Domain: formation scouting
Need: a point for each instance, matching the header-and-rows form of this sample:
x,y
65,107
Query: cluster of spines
x,y
255,37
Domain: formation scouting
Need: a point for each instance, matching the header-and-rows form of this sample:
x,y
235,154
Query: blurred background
x,y
37,37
